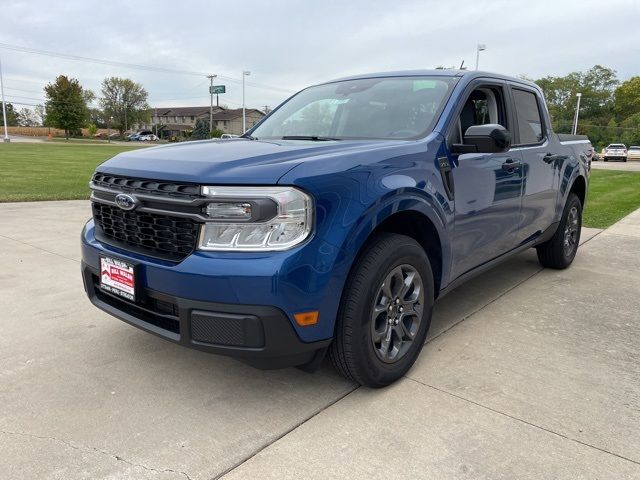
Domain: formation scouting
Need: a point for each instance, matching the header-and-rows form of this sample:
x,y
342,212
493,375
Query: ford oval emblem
x,y
126,202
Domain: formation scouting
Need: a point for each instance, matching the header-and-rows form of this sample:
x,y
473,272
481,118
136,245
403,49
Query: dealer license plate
x,y
118,278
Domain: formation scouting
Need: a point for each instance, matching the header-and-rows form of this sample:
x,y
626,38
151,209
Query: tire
x,y
606,159
560,250
378,338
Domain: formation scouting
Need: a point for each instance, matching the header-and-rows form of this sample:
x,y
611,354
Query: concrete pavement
x,y
528,373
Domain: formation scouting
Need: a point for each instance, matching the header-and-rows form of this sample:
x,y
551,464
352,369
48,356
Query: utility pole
x,y
245,73
481,48
575,119
211,77
4,108
155,114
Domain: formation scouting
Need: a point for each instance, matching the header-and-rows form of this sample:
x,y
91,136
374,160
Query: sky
x,y
290,44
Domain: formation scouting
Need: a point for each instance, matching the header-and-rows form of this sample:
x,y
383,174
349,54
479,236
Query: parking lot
x,y
528,373
632,166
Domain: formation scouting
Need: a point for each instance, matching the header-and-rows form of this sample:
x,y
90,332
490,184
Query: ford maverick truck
x,y
332,226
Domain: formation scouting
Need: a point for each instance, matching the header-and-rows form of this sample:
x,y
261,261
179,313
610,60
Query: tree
x,y
627,98
201,129
12,116
40,115
98,117
66,105
596,86
631,133
27,118
125,101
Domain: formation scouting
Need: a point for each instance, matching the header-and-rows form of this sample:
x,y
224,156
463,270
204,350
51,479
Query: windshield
x,y
372,108
616,145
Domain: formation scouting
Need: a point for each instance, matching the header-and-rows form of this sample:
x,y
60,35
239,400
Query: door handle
x,y
510,164
551,157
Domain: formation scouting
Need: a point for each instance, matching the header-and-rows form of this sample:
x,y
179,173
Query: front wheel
x,y
385,311
559,251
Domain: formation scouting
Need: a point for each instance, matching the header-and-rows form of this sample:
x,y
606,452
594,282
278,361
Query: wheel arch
x,y
579,187
413,215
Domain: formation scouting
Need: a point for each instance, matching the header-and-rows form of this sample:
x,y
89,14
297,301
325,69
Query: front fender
x,y
399,201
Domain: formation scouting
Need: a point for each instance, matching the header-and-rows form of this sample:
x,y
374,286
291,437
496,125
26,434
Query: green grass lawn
x,y
612,195
60,171
50,171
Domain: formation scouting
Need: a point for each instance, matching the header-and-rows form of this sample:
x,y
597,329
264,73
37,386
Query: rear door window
x,y
530,128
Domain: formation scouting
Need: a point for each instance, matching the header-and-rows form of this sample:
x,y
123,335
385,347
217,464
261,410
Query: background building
x,y
180,121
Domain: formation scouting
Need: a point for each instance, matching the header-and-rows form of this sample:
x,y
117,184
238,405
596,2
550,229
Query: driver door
x,y
488,186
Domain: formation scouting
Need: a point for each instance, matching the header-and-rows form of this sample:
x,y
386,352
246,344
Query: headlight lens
x,y
255,218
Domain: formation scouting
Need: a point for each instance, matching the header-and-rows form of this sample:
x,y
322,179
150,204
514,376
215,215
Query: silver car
x,y
615,151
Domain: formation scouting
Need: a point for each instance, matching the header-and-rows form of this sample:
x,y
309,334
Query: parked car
x,y
615,151
136,137
333,230
148,138
225,136
633,153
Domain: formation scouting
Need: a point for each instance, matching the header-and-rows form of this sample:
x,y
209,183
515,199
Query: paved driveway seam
x,y
284,434
39,248
566,437
513,287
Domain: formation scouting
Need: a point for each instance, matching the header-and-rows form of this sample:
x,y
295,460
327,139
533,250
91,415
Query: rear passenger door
x,y
541,162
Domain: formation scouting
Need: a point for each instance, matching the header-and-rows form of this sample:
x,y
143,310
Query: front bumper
x,y
259,335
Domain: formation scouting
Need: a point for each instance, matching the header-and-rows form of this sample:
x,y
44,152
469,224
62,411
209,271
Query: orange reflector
x,y
305,319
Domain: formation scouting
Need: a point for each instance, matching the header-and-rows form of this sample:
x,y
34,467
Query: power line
x,y
136,66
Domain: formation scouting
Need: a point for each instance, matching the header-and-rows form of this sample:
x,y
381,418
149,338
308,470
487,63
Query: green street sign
x,y
216,89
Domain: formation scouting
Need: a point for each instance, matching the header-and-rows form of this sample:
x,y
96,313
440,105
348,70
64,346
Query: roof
x,y
234,113
184,111
219,113
180,127
466,74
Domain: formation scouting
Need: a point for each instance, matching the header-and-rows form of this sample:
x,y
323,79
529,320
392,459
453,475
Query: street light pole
x,y
244,115
575,119
211,77
481,48
4,108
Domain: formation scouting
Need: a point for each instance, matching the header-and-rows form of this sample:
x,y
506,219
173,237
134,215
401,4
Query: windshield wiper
x,y
313,138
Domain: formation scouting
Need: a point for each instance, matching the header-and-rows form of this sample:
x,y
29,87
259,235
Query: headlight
x,y
255,218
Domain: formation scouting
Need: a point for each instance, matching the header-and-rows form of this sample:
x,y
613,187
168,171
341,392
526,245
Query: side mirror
x,y
489,138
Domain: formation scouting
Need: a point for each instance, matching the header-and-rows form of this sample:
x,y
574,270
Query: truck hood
x,y
236,161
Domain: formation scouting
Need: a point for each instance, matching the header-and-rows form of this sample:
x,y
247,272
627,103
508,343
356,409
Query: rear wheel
x,y
559,251
385,311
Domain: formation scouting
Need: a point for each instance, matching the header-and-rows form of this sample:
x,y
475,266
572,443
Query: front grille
x,y
150,187
164,236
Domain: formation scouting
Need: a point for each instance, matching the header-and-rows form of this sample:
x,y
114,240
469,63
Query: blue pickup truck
x,y
332,226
